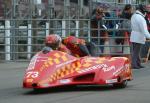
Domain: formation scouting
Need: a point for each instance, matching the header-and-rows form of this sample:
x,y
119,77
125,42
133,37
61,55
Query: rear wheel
x,y
123,84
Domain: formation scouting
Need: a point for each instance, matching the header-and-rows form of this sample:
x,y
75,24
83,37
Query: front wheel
x,y
123,84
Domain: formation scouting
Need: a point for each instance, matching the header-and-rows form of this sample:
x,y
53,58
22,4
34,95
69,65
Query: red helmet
x,y
53,41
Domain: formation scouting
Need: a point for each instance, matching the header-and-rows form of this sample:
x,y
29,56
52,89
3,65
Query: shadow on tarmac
x,y
79,88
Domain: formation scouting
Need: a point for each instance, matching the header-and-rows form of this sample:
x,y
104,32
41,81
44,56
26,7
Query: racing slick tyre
x,y
36,90
121,85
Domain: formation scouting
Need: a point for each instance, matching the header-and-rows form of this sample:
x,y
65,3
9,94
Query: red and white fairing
x,y
57,68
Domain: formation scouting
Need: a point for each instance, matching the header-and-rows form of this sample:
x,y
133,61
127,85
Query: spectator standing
x,y
145,48
127,12
148,17
98,36
138,35
125,24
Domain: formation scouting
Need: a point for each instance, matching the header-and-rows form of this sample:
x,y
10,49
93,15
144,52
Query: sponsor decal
x,y
90,68
65,81
104,67
111,81
118,71
107,68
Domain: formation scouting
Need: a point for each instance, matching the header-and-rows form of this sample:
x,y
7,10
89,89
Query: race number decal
x,y
32,74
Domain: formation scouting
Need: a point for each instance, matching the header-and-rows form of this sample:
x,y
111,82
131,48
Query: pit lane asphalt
x,y
11,91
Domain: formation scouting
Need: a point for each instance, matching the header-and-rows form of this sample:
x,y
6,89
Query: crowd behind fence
x,y
21,42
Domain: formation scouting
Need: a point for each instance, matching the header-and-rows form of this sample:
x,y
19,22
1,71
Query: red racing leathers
x,y
63,48
74,45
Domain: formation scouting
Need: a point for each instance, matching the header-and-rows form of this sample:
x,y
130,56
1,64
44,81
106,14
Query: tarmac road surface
x,y
11,91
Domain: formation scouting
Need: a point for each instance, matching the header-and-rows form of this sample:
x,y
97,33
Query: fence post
x,y
89,31
63,28
29,41
7,40
47,28
77,28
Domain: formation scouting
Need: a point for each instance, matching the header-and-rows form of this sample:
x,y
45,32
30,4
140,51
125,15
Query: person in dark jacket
x,y
144,54
99,31
127,12
124,24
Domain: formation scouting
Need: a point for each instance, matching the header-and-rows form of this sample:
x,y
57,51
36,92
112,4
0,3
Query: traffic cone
x,y
126,48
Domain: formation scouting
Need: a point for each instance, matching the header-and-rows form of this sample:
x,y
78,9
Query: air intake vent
x,y
85,78
34,85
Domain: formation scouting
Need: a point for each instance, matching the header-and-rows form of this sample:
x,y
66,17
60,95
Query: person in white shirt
x,y
138,36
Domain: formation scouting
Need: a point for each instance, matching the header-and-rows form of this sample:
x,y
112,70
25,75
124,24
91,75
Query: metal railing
x,y
20,42
20,38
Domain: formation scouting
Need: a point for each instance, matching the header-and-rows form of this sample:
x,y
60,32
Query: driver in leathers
x,y
77,46
54,42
